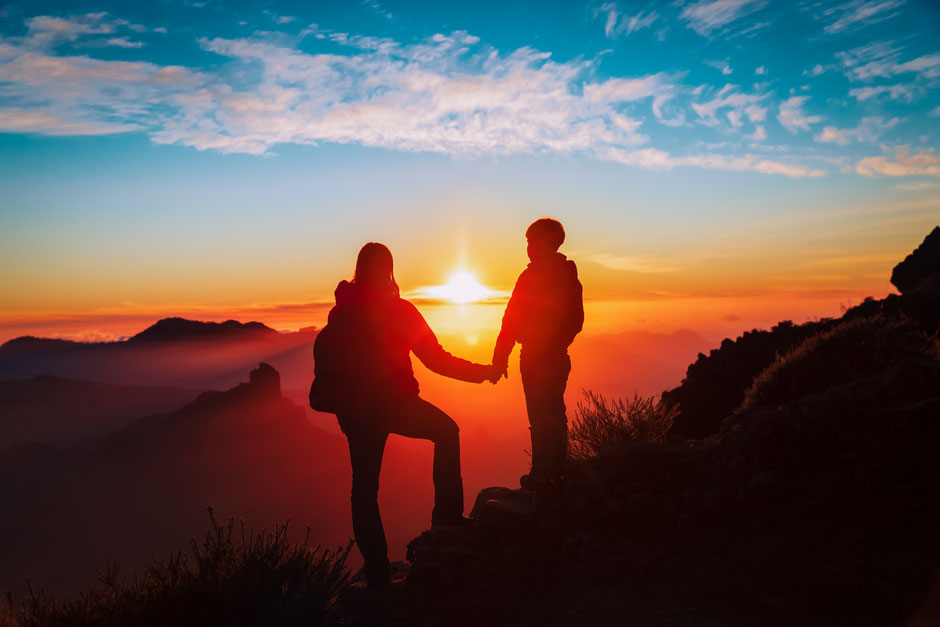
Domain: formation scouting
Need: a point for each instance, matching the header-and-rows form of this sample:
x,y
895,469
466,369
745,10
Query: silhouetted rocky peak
x,y
921,264
177,329
265,380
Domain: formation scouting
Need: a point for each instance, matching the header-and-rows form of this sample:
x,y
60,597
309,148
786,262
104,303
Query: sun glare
x,y
462,288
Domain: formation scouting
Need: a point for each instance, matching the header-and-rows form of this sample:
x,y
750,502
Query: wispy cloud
x,y
50,123
617,23
449,94
723,66
869,129
918,186
792,117
860,13
733,104
643,265
123,42
902,92
904,164
706,16
883,60
654,159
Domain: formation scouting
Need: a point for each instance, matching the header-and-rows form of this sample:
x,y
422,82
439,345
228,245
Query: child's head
x,y
545,236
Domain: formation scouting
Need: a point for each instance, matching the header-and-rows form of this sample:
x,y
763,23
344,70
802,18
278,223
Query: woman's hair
x,y
375,268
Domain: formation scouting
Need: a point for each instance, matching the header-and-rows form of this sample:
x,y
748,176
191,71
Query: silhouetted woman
x,y
373,333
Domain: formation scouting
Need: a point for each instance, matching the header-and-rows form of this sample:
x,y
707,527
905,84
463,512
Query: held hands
x,y
497,372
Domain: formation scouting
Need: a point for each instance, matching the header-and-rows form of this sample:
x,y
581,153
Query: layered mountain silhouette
x,y
143,490
52,410
172,352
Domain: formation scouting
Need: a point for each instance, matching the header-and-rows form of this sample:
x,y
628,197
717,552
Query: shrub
x,y
852,350
601,422
254,579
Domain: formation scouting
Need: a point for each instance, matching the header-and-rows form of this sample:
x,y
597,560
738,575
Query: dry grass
x,y
854,349
229,580
601,423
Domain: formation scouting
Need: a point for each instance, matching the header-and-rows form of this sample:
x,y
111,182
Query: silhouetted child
x,y
544,315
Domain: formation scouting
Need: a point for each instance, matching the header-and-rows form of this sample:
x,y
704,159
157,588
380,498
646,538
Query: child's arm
x,y
512,320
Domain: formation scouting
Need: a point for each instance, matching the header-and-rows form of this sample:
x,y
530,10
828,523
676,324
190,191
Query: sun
x,y
462,288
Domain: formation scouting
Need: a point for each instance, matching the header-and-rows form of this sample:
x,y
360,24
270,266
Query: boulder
x,y
919,265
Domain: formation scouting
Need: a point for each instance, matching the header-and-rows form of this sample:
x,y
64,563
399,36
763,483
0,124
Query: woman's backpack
x,y
341,366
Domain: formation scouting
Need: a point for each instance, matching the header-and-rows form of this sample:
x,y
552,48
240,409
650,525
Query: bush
x,y
601,423
854,349
258,579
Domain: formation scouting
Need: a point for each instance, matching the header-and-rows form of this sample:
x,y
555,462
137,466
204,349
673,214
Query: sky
x,y
718,164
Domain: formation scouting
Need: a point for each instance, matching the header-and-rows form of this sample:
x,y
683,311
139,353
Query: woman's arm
x,y
426,347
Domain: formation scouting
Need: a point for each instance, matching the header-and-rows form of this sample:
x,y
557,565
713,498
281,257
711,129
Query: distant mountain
x,y
181,329
53,410
173,352
143,490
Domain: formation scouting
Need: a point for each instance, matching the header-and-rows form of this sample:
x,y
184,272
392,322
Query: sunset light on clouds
x,y
228,160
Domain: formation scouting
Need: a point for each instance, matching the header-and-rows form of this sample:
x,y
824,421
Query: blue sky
x,y
793,89
257,137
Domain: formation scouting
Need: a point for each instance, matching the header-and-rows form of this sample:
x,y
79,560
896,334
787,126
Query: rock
x,y
922,304
919,265
265,380
503,515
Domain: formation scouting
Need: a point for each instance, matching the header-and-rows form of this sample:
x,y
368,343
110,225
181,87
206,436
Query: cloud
x,y
902,92
816,70
792,117
626,263
654,159
760,71
918,186
447,94
860,13
616,23
705,16
730,98
883,60
51,123
904,164
661,87
435,96
46,32
758,135
869,129
123,42
722,66
935,112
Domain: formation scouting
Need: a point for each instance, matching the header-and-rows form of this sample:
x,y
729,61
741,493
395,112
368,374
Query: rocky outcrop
x,y
817,511
920,265
265,380
715,384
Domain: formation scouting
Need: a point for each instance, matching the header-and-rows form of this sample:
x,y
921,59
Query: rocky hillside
x,y
715,383
814,502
